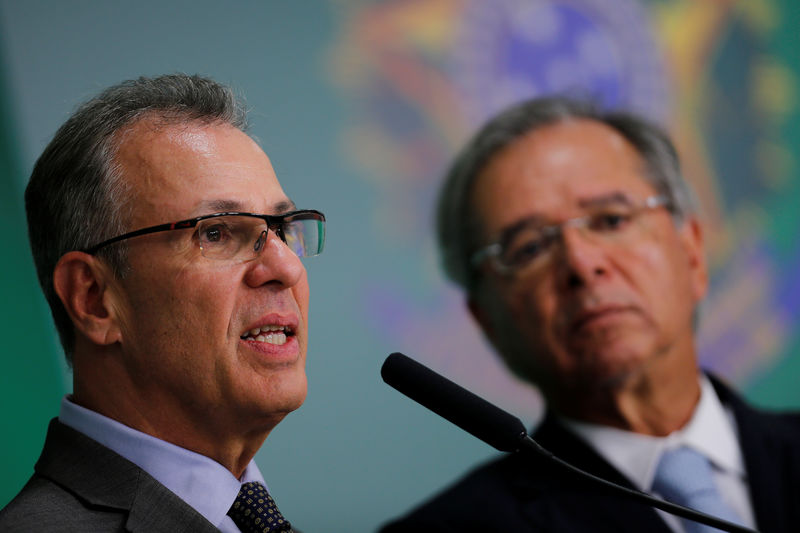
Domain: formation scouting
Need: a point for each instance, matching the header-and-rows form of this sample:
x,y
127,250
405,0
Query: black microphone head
x,y
468,411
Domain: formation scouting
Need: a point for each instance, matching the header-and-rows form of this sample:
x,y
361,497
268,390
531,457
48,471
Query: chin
x,y
613,371
611,358
289,395
292,402
278,394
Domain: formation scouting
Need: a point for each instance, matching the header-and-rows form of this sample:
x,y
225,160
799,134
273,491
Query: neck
x,y
219,440
655,401
210,431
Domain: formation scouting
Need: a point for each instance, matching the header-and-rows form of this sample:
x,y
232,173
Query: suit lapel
x,y
104,479
156,508
770,445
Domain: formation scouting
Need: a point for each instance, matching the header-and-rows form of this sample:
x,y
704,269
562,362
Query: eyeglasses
x,y
528,243
241,236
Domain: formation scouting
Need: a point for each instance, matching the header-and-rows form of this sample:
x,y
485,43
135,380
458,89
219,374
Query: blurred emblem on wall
x,y
420,76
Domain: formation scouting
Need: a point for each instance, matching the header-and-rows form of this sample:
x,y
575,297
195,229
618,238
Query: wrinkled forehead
x,y
223,205
183,170
557,171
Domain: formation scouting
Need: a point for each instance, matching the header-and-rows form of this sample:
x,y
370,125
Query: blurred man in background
x,y
577,243
170,258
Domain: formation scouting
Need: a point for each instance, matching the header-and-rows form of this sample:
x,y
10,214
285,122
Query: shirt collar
x,y
201,482
711,431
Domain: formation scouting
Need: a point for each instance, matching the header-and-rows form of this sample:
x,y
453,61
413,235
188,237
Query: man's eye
x,y
609,221
215,234
523,251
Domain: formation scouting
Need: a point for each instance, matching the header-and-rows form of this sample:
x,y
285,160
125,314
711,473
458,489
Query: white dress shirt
x,y
711,431
201,482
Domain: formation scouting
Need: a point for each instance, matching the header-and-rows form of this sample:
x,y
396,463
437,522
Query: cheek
x,y
536,305
529,331
664,275
300,292
640,268
199,303
650,258
210,304
529,315
659,281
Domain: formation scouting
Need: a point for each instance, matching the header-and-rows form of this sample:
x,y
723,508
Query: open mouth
x,y
270,334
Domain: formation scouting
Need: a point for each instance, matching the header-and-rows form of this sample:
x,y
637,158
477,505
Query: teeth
x,y
272,338
270,334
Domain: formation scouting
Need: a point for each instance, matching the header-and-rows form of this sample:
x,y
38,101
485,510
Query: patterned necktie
x,y
684,477
254,511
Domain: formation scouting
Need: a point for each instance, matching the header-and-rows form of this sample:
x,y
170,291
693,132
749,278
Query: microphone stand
x,y
530,445
505,432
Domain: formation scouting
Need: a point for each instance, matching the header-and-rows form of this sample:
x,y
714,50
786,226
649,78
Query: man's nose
x,y
581,259
275,263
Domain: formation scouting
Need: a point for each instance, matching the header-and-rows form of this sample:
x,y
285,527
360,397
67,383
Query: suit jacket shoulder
x,y
80,485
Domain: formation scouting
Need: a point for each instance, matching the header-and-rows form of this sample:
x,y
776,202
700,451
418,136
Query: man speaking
x,y
170,258
576,241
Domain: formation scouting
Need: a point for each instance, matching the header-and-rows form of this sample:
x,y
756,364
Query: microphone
x,y
468,411
504,431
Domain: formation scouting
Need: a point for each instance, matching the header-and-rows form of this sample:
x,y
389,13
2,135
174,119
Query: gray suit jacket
x,y
80,485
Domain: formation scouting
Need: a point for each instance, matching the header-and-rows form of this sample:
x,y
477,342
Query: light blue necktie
x,y
684,477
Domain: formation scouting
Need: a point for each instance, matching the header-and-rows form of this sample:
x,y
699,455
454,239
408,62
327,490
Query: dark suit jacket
x,y
80,485
524,493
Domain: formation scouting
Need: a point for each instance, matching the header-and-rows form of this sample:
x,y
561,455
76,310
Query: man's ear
x,y
82,284
692,238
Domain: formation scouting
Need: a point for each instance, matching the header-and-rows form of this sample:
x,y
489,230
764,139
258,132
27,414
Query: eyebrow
x,y
612,198
604,200
221,206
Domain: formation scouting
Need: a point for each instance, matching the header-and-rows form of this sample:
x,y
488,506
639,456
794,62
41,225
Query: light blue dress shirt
x,y
201,482
711,431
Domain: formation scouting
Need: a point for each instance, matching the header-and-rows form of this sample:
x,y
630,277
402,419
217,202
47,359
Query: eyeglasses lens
x,y
533,244
305,237
241,238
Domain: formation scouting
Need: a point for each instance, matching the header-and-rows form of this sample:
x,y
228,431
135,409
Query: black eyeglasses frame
x,y
274,222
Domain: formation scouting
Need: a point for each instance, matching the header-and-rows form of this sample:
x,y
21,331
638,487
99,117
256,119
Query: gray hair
x,y
77,197
457,227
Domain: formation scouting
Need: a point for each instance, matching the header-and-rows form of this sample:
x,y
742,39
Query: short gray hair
x,y
76,196
457,227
